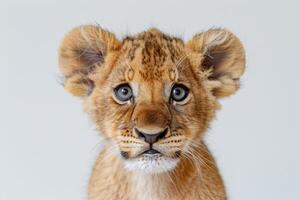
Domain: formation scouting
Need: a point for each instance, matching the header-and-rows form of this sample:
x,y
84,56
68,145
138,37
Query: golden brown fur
x,y
94,62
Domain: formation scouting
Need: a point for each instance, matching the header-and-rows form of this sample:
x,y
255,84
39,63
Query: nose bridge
x,y
151,92
151,118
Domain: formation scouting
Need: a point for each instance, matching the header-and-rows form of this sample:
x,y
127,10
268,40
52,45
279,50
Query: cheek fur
x,y
195,116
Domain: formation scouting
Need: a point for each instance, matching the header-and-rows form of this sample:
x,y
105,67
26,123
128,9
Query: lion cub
x,y
152,96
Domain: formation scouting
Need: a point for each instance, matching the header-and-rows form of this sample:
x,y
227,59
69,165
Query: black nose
x,y
150,137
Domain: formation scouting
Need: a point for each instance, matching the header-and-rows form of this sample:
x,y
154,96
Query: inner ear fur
x,y
82,51
220,57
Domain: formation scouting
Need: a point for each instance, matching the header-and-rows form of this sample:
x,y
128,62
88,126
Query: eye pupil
x,y
124,91
177,91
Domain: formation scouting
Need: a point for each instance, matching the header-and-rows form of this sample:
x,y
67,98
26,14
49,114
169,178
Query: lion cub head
x,y
151,95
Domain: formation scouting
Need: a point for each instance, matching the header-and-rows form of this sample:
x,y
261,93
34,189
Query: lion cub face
x,y
151,95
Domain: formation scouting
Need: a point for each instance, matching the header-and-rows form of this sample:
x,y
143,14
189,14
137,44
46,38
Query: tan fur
x,y
93,62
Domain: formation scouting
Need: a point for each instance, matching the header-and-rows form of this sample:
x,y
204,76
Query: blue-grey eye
x,y
123,92
179,92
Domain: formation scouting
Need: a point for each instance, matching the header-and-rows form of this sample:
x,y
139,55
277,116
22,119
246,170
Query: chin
x,y
151,164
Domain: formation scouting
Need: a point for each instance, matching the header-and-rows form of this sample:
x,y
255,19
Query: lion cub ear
x,y
220,57
82,51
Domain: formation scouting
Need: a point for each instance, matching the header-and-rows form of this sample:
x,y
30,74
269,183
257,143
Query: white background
x,y
48,145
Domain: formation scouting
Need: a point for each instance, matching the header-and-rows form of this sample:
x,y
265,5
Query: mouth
x,y
151,161
151,152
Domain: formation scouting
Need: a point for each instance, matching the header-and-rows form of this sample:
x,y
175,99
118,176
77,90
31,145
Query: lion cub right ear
x,y
82,51
219,55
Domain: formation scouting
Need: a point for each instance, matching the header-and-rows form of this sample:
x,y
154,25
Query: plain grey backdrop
x,y
48,145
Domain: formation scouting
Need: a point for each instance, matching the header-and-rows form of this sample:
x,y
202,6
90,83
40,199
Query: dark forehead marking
x,y
155,44
153,53
156,48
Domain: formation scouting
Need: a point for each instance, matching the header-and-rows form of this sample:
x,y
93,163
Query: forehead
x,y
151,56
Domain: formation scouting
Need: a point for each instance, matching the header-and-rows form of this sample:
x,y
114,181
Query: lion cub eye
x,y
179,92
123,92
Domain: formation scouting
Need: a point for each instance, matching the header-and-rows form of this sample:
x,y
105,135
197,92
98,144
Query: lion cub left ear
x,y
220,57
84,50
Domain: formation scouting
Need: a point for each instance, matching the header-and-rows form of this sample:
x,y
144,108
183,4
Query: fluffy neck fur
x,y
168,185
192,179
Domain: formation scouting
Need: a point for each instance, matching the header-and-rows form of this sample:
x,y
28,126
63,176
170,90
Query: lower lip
x,y
151,156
